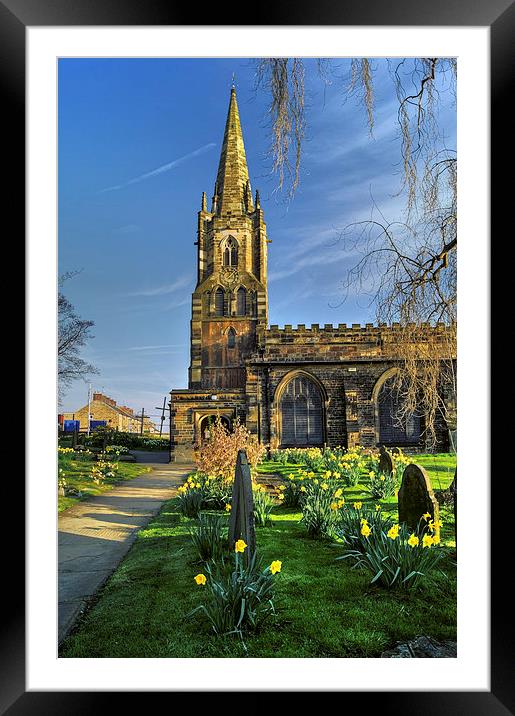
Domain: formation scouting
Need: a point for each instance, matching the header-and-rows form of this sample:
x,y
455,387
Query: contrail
x,y
162,169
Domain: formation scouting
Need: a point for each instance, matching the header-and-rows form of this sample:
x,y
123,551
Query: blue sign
x,y
71,426
94,424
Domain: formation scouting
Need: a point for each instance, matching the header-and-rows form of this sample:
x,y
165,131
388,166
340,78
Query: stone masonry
x,y
302,386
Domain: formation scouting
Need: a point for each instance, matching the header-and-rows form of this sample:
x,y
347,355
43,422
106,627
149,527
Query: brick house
x,y
303,386
118,417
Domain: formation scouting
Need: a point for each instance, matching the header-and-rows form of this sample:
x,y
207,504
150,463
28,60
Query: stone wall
x,y
188,407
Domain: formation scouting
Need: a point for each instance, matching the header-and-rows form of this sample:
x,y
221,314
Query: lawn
x,y
78,475
324,608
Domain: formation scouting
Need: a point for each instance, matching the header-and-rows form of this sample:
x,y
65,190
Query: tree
x,y
408,265
73,334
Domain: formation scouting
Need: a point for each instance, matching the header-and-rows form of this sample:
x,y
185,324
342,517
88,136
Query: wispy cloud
x,y
166,346
162,169
179,283
127,229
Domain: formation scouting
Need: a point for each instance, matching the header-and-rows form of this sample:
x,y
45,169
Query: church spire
x,y
232,181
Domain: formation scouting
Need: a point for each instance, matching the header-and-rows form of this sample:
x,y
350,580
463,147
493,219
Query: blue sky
x,y
139,141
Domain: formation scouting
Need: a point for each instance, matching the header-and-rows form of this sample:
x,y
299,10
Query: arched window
x,y
219,302
301,413
231,338
230,252
241,302
395,428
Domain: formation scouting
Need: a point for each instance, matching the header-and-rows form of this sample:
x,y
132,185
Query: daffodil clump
x,y
382,484
202,491
395,555
263,504
209,537
321,503
102,470
239,599
349,466
399,463
356,524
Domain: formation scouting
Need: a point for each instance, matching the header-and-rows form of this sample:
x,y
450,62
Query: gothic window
x,y
301,413
219,302
230,252
241,301
394,428
231,338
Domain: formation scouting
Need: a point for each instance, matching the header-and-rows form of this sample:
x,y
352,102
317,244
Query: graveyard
x,y
302,536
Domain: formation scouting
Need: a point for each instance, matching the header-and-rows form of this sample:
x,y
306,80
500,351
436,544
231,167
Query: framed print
x,y
101,85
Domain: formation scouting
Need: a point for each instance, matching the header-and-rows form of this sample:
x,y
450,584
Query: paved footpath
x,y
94,535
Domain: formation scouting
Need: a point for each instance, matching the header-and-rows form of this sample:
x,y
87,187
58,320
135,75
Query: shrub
x,y
217,456
131,441
209,537
240,594
323,499
397,557
263,505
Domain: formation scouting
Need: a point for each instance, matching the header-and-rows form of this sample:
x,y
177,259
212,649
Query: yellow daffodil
x,y
227,508
413,540
276,566
371,473
393,532
338,493
436,539
200,579
328,474
365,530
336,475
240,546
324,486
282,487
426,516
341,502
357,505
302,488
378,507
281,496
427,541
334,505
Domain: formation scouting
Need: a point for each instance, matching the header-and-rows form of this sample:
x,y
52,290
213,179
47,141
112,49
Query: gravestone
x,y
416,496
385,461
241,520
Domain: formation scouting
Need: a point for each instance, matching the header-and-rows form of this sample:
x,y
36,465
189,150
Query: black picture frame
x,y
499,15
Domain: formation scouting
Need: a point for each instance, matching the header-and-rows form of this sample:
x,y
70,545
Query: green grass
x,y
324,608
440,467
77,475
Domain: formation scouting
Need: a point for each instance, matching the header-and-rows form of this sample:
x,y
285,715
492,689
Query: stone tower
x,y
229,311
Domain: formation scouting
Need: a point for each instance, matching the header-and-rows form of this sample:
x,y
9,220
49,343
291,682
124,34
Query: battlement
x,y
339,328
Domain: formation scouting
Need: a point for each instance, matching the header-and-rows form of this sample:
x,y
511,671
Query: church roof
x,y
232,188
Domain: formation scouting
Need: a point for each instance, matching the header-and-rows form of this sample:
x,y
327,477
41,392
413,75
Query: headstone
x,y
385,461
416,497
241,520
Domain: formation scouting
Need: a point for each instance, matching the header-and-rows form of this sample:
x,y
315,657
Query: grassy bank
x,y
78,475
324,608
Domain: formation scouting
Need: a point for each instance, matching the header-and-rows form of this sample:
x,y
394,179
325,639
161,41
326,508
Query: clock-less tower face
x,y
229,304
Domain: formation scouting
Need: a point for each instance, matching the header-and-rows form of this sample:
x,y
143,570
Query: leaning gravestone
x,y
416,497
241,521
385,461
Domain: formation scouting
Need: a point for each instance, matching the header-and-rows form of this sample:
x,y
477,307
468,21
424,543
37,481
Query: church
x,y
297,386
